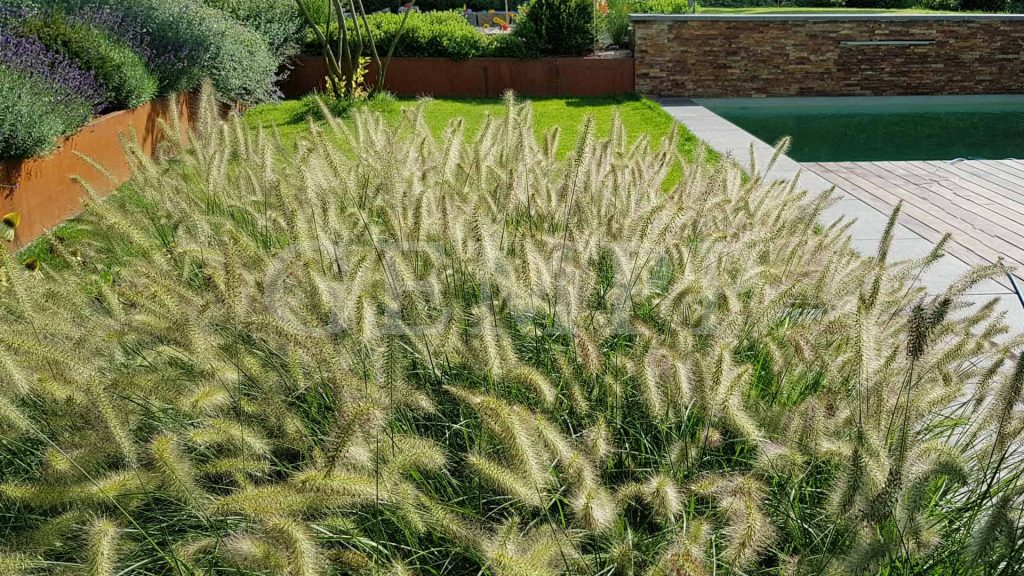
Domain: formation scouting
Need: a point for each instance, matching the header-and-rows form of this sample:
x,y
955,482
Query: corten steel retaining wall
x,y
482,77
41,190
828,54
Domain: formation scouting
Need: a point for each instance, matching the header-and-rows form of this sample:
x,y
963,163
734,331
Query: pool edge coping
x,y
829,17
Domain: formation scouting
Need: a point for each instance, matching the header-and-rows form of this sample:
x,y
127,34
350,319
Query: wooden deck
x,y
981,202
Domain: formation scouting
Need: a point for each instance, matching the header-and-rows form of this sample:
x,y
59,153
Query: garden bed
x,y
385,355
484,77
41,189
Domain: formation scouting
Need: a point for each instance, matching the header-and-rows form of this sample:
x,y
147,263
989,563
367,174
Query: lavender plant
x,y
45,95
460,354
172,59
122,72
32,118
186,41
70,83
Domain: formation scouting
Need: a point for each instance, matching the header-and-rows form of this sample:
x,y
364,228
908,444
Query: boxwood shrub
x,y
442,35
557,27
123,72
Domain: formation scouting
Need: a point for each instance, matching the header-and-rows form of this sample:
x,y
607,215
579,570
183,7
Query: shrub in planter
x,y
558,27
278,21
510,46
878,3
435,5
948,5
681,6
188,40
443,35
72,85
164,61
33,116
43,95
123,73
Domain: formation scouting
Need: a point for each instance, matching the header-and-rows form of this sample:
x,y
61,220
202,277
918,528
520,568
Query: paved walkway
x,y
868,194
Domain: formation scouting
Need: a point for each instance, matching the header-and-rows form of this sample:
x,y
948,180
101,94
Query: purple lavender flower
x,y
170,61
115,23
31,57
15,13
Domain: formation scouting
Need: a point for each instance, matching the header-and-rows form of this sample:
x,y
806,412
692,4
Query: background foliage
x,y
191,40
442,34
559,27
278,21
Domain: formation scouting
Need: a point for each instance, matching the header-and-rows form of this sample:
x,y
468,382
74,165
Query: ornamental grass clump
x,y
413,353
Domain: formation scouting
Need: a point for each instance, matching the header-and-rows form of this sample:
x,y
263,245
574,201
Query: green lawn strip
x,y
639,115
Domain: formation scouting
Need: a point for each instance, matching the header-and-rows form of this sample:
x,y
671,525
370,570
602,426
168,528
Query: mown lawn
x,y
639,115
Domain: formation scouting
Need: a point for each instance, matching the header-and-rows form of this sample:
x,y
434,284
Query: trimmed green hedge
x,y
431,5
123,72
441,35
557,27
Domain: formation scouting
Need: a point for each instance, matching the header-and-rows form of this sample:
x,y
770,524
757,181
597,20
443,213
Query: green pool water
x,y
888,128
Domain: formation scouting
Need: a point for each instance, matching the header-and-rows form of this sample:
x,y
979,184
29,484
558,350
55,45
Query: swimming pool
x,y
883,128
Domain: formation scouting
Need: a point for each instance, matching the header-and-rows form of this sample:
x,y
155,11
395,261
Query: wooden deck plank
x,y
844,182
1014,166
994,191
919,222
979,234
944,188
1006,185
928,212
890,192
1003,221
999,192
939,218
998,168
1011,168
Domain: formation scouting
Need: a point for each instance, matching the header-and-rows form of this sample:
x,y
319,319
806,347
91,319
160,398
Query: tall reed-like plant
x,y
415,353
345,56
